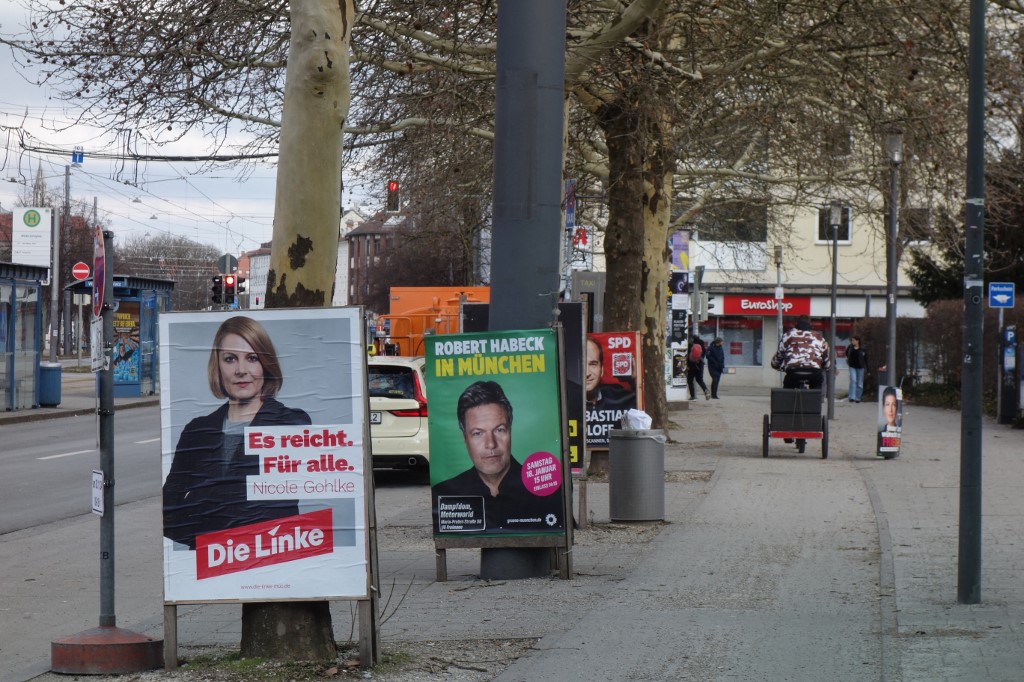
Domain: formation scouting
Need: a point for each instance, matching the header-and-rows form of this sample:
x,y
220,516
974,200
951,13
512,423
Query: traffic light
x,y
229,289
217,290
392,202
240,286
704,306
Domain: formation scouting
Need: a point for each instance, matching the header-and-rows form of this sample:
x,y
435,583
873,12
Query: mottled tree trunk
x,y
636,242
624,234
307,205
304,255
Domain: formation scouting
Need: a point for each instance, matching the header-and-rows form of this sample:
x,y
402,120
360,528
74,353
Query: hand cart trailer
x,y
796,416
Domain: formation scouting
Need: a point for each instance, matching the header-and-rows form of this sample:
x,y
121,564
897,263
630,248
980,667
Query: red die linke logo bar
x,y
264,544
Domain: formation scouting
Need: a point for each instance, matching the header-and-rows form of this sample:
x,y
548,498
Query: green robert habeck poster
x,y
495,434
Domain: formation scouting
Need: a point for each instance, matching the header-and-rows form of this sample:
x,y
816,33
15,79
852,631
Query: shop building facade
x,y
742,278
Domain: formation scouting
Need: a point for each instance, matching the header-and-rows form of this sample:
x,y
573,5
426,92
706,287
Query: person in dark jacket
x,y
695,369
205,490
857,361
716,365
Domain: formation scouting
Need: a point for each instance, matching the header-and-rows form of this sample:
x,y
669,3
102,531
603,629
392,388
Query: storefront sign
x,y
766,305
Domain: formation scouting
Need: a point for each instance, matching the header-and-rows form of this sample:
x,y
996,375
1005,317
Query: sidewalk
x,y
781,568
77,396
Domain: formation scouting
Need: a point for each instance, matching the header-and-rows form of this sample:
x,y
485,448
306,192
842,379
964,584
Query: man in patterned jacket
x,y
803,355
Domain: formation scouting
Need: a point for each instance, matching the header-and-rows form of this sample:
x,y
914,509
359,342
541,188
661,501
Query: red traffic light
x,y
392,203
229,280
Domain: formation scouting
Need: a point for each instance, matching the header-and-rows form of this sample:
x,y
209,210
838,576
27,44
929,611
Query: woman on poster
x,y
890,422
205,490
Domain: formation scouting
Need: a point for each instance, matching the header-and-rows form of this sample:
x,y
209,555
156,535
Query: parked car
x,y
398,412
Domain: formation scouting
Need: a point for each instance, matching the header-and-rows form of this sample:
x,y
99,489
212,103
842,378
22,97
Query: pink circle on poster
x,y
542,474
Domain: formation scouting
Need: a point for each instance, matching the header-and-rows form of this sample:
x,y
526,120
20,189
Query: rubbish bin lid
x,y
653,434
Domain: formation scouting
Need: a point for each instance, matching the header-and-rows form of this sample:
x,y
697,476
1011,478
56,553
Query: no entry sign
x,y
80,271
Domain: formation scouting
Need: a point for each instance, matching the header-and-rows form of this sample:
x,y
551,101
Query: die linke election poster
x,y
264,470
612,386
496,464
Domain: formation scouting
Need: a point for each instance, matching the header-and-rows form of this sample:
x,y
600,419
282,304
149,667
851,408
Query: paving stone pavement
x,y
789,567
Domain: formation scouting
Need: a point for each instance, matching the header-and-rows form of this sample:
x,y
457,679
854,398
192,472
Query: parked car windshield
x,y
391,382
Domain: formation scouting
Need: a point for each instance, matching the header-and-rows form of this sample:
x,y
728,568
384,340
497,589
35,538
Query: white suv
x,y
398,412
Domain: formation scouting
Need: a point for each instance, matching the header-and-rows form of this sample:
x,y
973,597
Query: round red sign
x,y
80,271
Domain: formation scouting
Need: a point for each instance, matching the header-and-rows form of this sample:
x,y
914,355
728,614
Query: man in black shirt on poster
x,y
485,419
606,403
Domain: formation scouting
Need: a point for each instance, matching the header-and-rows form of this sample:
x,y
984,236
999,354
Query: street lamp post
x,y
778,289
894,147
835,217
779,295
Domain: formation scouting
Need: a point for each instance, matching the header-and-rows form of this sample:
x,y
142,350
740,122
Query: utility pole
x,y
835,217
530,65
779,294
894,143
969,563
698,278
55,268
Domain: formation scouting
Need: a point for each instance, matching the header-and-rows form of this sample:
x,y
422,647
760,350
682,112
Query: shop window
x,y
825,230
742,339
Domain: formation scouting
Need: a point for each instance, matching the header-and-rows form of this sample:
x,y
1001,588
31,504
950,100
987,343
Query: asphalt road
x,y
48,466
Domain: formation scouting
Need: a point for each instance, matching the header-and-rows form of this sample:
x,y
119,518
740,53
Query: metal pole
x,y
835,217
530,63
106,416
891,265
698,279
778,292
999,370
969,565
529,91
55,267
832,325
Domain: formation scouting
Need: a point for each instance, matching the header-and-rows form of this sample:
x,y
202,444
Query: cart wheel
x,y
824,437
765,438
801,445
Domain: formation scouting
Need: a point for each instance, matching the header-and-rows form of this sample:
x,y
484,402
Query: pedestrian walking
x,y
857,361
716,365
695,368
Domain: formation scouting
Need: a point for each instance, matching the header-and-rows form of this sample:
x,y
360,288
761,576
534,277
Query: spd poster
x,y
264,479
611,382
496,465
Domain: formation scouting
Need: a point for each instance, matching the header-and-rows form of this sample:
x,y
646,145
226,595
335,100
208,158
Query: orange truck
x,y
417,312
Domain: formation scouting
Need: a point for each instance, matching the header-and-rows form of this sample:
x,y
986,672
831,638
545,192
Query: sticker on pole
x,y
97,492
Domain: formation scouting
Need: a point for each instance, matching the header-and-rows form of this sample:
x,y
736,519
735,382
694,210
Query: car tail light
x,y
420,411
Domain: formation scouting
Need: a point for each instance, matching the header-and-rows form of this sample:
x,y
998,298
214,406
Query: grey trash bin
x,y
636,475
49,384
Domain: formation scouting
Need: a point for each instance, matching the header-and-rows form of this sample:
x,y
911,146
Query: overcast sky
x,y
218,208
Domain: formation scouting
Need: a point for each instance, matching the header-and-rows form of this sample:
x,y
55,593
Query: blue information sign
x,y
1000,294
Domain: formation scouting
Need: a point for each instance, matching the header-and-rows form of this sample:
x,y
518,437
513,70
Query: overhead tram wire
x,y
39,151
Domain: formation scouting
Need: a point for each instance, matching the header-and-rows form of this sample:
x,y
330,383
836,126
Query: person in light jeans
x,y
857,361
